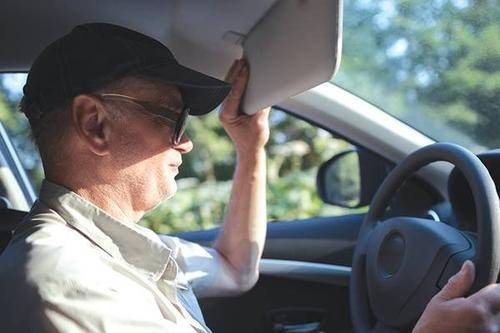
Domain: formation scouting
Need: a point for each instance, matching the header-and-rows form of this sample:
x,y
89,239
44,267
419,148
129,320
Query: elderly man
x,y
108,107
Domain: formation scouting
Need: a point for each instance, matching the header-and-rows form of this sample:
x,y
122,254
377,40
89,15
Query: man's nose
x,y
185,145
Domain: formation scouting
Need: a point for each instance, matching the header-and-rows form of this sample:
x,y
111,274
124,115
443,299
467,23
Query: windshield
x,y
433,64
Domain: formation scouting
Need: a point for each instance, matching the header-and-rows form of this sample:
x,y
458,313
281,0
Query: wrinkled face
x,y
142,150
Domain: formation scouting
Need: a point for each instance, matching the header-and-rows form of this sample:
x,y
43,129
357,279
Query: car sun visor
x,y
294,47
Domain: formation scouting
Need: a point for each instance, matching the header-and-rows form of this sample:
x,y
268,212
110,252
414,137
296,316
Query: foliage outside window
x,y
433,64
295,151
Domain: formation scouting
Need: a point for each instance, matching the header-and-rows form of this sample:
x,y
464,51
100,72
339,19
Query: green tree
x,y
440,57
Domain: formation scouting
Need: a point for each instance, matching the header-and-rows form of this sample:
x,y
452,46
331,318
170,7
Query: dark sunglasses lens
x,y
180,126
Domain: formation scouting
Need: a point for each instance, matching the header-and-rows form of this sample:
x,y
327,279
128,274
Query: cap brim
x,y
202,93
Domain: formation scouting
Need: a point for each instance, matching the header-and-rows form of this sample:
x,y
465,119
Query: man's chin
x,y
170,191
166,195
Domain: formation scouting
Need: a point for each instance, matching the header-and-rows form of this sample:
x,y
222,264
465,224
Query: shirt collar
x,y
135,245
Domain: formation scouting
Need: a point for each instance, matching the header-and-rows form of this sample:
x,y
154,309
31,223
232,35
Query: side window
x,y
16,191
295,151
17,129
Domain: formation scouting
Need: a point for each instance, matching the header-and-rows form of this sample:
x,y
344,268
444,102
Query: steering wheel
x,y
399,264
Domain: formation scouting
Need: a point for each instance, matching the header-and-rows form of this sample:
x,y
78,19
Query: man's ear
x,y
91,123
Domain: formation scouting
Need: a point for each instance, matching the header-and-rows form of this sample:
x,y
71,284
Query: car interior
x,y
427,206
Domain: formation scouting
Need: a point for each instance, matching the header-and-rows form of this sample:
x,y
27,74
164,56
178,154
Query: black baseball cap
x,y
95,54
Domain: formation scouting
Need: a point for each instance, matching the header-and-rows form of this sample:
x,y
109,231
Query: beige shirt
x,y
71,267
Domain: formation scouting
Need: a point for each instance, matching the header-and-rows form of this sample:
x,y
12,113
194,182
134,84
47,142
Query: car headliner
x,y
194,30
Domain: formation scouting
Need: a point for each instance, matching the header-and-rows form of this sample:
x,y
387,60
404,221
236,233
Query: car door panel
x,y
328,240
303,283
253,311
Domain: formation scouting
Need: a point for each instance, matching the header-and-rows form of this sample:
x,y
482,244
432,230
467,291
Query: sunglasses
x,y
159,113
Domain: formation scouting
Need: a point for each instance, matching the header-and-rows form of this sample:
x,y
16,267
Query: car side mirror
x,y
351,178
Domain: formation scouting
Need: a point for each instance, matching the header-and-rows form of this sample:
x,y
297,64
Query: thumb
x,y
459,283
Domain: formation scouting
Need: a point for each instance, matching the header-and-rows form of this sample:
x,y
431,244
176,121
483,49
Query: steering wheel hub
x,y
405,265
391,254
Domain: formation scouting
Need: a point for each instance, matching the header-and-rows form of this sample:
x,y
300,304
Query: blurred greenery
x,y
433,64
295,151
